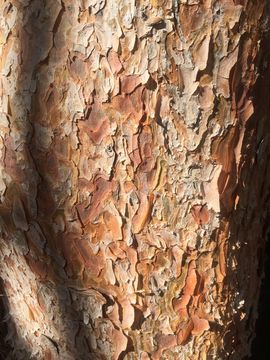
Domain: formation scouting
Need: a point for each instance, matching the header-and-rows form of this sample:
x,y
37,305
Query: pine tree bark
x,y
134,177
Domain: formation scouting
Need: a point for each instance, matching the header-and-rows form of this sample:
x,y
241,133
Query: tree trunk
x,y
134,177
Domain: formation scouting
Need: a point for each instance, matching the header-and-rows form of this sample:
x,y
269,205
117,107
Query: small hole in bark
x,y
151,84
161,293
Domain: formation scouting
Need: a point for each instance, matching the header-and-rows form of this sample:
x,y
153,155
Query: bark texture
x,y
134,176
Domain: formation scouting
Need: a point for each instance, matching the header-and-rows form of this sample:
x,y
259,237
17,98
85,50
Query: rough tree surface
x,y
134,139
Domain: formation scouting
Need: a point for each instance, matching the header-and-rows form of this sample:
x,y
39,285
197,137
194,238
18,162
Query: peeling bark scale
x,y
134,141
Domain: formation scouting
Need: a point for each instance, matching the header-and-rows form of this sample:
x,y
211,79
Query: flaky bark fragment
x,y
133,153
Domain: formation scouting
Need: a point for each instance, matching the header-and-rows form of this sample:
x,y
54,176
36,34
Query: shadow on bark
x,y
6,349
260,344
45,259
249,222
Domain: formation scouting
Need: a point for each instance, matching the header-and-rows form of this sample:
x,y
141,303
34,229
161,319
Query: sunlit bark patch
x,y
133,141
